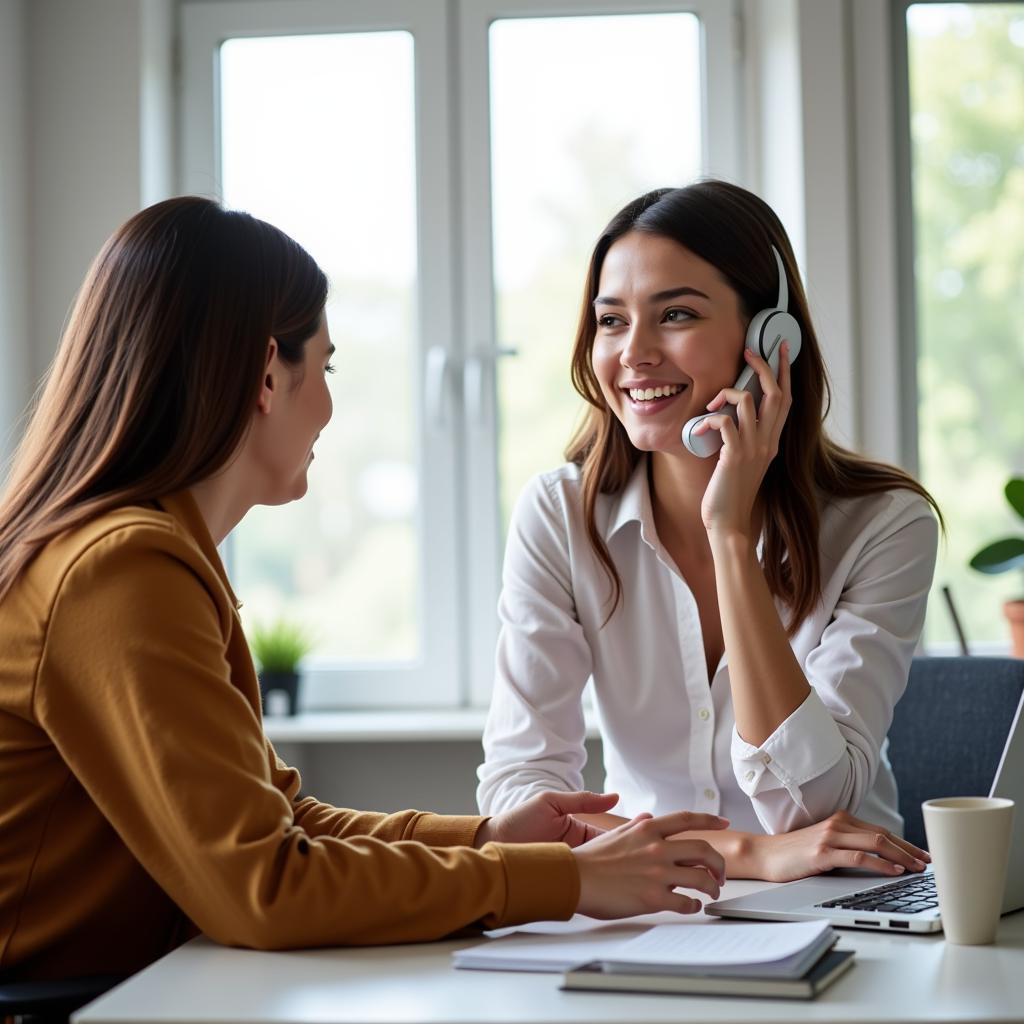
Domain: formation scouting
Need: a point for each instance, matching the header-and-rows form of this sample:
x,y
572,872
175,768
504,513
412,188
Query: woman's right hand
x,y
840,841
633,869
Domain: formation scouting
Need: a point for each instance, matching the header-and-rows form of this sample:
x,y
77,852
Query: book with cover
x,y
595,977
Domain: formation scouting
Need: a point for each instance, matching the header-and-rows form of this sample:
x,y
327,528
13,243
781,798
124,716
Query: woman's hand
x,y
840,841
635,868
547,818
748,448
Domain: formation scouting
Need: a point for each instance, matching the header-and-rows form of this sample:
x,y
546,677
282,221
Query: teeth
x,y
646,394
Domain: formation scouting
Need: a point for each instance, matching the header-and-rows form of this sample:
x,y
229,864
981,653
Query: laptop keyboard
x,y
910,895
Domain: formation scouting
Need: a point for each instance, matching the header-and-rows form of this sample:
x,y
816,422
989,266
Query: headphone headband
x,y
783,301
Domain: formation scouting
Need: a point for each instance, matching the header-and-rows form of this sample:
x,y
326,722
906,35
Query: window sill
x,y
455,725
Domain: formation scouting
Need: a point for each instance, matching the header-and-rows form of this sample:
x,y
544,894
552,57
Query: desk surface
x,y
895,978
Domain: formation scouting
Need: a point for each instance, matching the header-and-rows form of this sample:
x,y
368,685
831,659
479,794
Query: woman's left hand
x,y
547,818
748,448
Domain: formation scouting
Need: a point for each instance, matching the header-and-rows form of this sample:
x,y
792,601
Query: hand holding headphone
x,y
768,329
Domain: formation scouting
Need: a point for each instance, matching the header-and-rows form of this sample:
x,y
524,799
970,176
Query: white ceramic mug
x,y
969,840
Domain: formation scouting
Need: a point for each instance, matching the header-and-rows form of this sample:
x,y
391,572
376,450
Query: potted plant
x,y
278,649
1004,555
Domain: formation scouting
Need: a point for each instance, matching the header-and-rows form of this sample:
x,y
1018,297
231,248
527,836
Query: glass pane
x,y
318,138
967,134
586,113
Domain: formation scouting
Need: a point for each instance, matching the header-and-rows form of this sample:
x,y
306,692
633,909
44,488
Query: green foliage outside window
x,y
967,133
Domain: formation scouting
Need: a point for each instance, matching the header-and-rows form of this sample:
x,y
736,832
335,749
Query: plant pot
x,y
1014,612
273,684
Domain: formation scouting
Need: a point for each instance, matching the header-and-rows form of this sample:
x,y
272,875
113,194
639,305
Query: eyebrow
x,y
671,293
331,349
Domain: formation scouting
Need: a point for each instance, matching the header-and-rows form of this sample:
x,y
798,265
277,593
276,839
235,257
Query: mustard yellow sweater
x,y
140,800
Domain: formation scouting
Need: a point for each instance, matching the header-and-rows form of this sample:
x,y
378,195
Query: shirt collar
x,y
183,507
633,504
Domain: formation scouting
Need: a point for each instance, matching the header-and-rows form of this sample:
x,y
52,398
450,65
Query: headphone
x,y
768,329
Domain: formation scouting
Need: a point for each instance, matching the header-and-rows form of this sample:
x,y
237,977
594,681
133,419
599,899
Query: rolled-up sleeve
x,y
824,757
535,732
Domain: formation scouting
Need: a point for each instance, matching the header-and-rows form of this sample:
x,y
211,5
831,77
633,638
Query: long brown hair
x,y
157,375
733,230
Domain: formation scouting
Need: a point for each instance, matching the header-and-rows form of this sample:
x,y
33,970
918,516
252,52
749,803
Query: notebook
x,y
707,947
594,977
740,950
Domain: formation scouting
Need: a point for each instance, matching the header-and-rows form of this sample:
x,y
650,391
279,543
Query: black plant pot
x,y
284,682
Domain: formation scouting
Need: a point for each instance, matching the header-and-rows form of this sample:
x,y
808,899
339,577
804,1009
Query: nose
x,y
641,347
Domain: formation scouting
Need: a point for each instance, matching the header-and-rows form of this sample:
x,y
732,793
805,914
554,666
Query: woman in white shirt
x,y
748,619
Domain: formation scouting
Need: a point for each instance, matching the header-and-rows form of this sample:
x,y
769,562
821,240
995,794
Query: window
x,y
449,165
966,90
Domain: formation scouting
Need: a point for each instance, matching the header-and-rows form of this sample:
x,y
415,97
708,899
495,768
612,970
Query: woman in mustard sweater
x,y
140,801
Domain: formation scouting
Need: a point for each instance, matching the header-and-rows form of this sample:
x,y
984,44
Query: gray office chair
x,y
949,730
50,1002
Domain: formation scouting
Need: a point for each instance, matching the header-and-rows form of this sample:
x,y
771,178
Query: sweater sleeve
x,y
135,690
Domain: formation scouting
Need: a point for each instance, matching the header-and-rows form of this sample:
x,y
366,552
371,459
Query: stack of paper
x,y
724,957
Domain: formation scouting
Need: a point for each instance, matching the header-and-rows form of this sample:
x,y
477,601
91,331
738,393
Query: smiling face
x,y
669,337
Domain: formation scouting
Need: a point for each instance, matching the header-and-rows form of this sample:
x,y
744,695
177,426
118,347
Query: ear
x,y
271,378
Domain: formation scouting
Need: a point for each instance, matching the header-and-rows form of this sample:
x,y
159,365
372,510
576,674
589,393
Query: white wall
x,y
802,114
429,776
83,112
15,373
86,114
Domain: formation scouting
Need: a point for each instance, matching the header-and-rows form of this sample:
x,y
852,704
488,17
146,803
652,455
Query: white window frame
x,y
434,680
459,527
721,156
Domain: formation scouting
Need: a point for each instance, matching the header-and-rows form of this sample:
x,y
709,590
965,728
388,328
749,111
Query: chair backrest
x,y
949,730
51,1002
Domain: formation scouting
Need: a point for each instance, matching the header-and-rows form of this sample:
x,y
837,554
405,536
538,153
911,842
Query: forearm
x,y
767,682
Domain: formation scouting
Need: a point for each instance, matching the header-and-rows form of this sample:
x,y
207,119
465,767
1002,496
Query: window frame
x,y
434,680
722,155
459,528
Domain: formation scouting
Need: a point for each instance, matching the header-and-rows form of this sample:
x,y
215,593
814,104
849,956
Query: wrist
x,y
731,541
750,856
484,834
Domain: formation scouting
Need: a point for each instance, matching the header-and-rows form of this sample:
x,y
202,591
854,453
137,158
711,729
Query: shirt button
x,y
767,758
704,714
709,794
749,776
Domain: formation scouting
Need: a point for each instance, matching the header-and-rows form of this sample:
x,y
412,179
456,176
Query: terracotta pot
x,y
1014,612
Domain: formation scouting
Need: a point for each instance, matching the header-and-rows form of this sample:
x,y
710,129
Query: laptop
x,y
909,903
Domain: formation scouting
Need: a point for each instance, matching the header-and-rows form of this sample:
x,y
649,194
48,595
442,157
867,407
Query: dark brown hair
x,y
157,375
733,230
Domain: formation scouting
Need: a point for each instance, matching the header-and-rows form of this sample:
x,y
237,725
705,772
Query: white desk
x,y
895,978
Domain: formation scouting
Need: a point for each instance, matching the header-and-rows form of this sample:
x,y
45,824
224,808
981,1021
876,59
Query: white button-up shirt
x,y
669,734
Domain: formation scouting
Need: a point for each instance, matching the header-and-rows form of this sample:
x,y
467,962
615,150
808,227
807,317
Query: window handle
x,y
473,379
435,380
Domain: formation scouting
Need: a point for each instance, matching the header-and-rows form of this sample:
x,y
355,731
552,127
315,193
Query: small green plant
x,y
280,646
1008,553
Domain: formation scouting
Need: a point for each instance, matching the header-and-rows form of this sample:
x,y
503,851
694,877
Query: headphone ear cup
x,y
773,327
753,340
786,325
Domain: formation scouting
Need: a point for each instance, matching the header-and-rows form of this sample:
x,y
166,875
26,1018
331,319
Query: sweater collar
x,y
184,508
